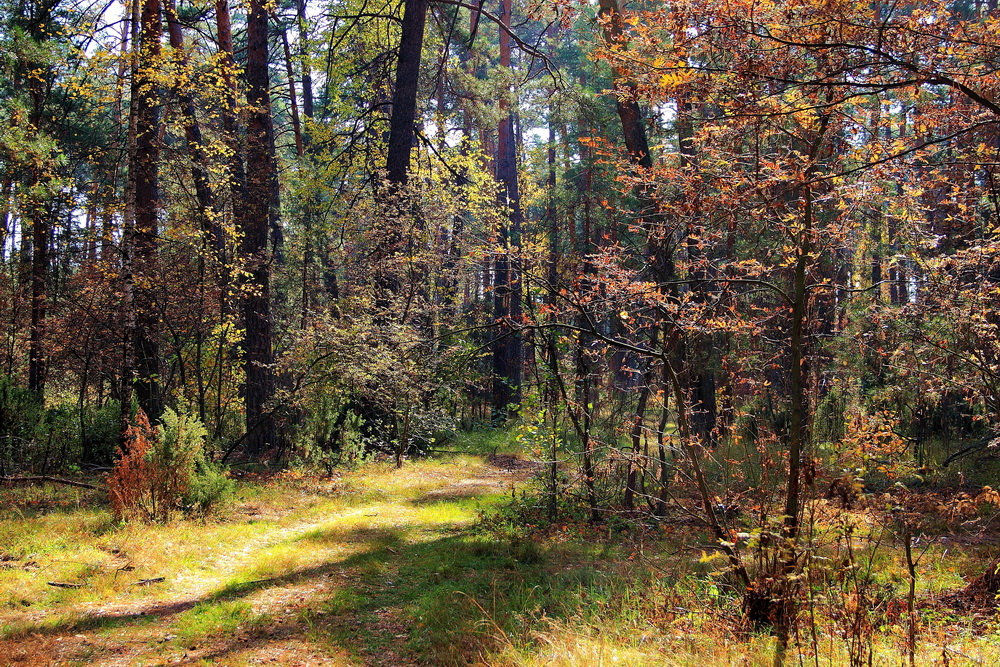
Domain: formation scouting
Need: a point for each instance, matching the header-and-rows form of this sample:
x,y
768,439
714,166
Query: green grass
x,y
214,619
432,563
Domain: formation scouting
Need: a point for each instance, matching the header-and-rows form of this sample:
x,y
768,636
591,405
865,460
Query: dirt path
x,y
301,592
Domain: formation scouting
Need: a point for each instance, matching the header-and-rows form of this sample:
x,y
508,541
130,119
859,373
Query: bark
x,y
798,402
627,103
585,398
6,219
552,355
207,213
586,395
699,367
39,246
508,349
42,479
37,363
91,226
292,97
404,97
307,85
144,237
125,388
636,460
230,125
259,215
309,203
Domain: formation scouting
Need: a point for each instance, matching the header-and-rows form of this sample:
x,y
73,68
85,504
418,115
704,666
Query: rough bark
x,y
307,84
259,215
39,298
144,237
40,232
293,101
508,349
404,97
699,369
204,196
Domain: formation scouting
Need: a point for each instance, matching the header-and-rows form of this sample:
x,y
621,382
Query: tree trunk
x,y
508,350
144,241
699,367
259,214
625,90
307,85
293,101
551,352
230,128
39,297
195,142
40,232
404,96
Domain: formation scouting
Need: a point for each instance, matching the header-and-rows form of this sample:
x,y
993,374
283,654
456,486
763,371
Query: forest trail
x,y
324,584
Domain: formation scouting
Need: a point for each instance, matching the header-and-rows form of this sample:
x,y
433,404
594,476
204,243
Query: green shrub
x,y
209,487
101,432
21,413
164,470
42,439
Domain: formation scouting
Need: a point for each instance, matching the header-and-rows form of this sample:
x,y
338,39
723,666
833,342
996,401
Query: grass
x,y
214,619
431,564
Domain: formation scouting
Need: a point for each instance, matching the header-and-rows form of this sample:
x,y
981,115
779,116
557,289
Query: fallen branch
x,y
54,480
62,584
147,582
979,446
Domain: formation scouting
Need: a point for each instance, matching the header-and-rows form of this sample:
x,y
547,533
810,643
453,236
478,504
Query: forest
x,y
534,332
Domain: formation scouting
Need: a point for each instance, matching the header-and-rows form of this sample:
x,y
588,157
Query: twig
x,y
61,584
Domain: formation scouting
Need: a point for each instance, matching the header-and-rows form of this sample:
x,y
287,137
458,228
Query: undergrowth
x,y
449,561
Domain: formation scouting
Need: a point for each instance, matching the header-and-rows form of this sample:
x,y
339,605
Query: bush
x,y
164,470
39,439
101,432
20,415
207,488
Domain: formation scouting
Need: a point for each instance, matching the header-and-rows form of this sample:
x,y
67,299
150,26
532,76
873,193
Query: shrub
x,y
100,432
20,415
164,470
42,439
208,487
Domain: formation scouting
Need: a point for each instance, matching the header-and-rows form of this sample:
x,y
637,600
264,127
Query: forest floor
x,y
378,566
302,570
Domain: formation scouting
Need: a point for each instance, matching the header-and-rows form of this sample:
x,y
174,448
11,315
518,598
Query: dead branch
x,y
34,479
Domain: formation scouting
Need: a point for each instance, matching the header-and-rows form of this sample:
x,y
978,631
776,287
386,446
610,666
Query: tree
x,y
508,352
257,218
143,241
404,96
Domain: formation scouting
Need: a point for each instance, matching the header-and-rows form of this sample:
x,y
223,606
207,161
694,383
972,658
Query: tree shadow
x,y
394,602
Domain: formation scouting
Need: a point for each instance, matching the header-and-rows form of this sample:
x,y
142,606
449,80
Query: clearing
x,y
438,563
301,571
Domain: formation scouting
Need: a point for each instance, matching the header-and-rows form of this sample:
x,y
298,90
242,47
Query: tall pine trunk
x,y
404,96
144,238
195,141
508,350
257,216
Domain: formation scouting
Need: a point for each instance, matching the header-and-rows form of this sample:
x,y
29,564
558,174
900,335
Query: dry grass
x,y
282,548
387,567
